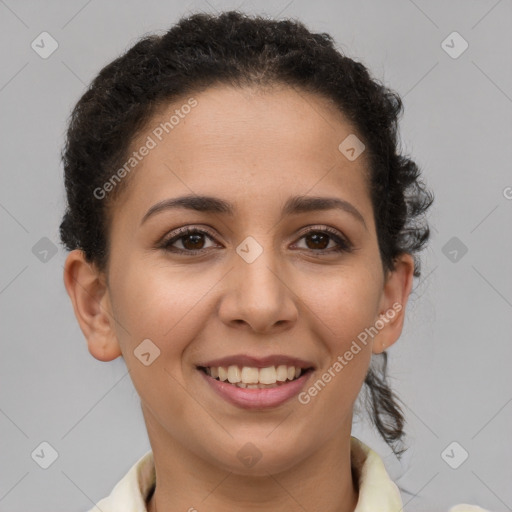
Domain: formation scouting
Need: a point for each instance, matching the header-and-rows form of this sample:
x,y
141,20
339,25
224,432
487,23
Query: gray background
x,y
452,364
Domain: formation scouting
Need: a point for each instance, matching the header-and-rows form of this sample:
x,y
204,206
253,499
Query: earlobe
x,y
89,295
395,295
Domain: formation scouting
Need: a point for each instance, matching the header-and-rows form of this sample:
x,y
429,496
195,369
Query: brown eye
x,y
318,241
192,241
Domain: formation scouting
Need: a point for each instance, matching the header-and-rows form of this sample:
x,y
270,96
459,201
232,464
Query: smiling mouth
x,y
255,378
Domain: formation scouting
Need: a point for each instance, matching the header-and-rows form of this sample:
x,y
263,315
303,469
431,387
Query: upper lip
x,y
257,362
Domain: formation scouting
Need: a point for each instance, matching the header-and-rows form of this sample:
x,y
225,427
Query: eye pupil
x,y
315,237
196,237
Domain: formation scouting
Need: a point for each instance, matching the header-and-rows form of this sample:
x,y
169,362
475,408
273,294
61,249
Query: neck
x,y
321,482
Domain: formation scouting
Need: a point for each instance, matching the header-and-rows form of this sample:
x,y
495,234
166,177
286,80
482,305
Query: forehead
x,y
238,142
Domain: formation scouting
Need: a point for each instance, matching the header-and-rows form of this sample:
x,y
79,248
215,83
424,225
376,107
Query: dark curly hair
x,y
235,49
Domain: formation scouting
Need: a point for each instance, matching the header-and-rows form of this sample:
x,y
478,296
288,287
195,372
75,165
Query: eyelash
x,y
344,246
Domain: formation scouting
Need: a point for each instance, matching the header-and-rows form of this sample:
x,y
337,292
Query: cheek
x,y
158,316
169,307
158,301
344,303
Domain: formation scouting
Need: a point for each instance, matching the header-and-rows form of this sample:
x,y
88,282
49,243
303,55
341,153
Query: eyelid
x,y
183,231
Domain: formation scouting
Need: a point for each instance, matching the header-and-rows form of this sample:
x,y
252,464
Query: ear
x,y
395,295
88,292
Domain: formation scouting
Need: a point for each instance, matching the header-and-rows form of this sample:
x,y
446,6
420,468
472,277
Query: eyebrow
x,y
294,205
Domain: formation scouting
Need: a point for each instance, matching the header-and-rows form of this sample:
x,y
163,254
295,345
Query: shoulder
x,y
131,491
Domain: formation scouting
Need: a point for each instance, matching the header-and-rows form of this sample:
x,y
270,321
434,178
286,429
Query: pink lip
x,y
257,398
257,362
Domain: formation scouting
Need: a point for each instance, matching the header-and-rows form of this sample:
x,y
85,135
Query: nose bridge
x,y
257,294
256,267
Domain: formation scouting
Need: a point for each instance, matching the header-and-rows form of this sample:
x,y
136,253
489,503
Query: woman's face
x,y
265,281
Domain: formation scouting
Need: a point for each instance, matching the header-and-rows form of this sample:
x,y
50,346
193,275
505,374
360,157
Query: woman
x,y
243,232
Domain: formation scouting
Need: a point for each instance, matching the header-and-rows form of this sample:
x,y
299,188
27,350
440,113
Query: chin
x,y
256,459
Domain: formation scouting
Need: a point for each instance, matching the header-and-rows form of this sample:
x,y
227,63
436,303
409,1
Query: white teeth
x,y
268,375
234,374
282,373
251,377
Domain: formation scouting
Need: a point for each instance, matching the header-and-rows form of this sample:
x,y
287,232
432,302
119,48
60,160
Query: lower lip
x,y
255,398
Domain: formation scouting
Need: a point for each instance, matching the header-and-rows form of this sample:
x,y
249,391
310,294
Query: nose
x,y
258,295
